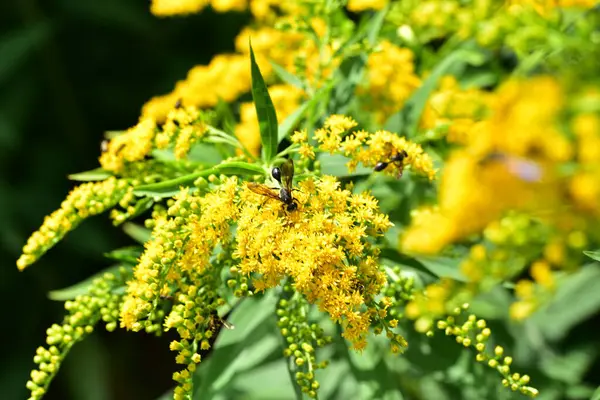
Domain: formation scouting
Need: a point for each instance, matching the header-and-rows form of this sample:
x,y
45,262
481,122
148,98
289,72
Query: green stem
x,y
231,140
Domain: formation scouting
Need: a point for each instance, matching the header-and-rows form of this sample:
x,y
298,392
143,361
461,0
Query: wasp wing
x,y
262,190
287,174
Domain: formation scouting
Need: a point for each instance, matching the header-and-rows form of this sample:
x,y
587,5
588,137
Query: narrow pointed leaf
x,y
97,174
265,111
137,232
594,255
376,24
287,76
171,187
82,287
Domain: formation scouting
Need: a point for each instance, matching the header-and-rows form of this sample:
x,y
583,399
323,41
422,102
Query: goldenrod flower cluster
x,y
390,80
227,76
323,247
362,5
512,157
491,23
261,9
517,202
182,127
337,136
85,200
452,111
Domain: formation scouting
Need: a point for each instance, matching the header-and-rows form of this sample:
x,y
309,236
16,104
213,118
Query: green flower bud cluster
x,y
397,293
85,200
474,332
195,318
301,339
238,283
101,303
400,289
517,230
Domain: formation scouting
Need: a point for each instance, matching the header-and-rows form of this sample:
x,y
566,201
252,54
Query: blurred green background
x,y
70,70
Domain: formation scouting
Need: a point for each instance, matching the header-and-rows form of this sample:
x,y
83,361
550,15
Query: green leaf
x,y
334,375
579,391
81,288
137,232
240,168
285,128
569,368
204,153
347,77
97,174
265,111
128,255
596,395
407,119
336,165
594,255
577,298
253,383
292,120
287,76
171,187
443,267
225,115
369,30
251,321
375,25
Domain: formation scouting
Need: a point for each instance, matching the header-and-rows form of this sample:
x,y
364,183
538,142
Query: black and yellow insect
x,y
285,177
397,159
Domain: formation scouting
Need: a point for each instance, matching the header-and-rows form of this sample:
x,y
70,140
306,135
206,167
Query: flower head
x,y
324,246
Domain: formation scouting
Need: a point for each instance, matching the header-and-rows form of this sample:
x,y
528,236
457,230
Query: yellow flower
x,y
458,109
299,136
585,189
163,8
520,310
372,148
229,5
337,124
523,121
541,272
133,145
226,77
390,81
83,201
322,246
362,5
306,151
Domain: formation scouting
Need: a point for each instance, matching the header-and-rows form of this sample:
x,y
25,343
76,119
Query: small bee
x,y
179,103
104,146
215,322
285,177
397,159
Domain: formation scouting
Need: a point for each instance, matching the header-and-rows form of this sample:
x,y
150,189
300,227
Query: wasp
x,y
397,159
285,177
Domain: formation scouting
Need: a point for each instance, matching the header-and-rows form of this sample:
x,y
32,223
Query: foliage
x,y
446,188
